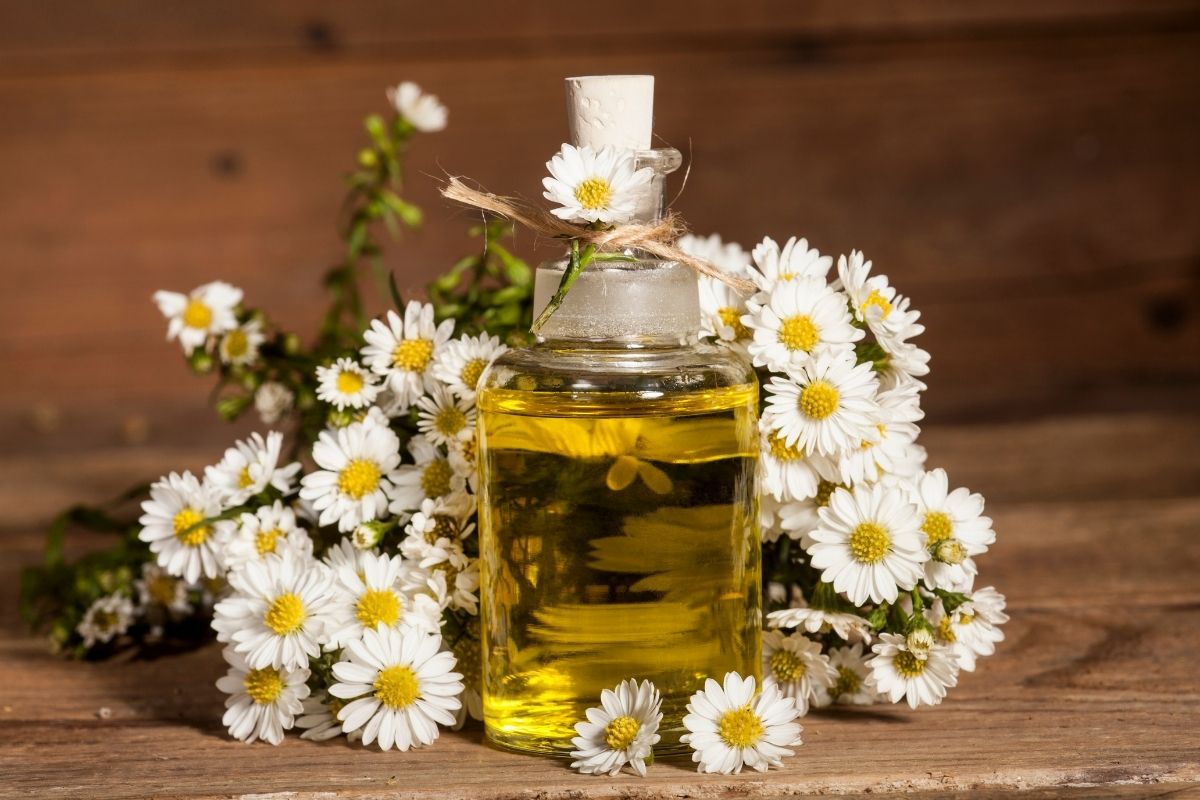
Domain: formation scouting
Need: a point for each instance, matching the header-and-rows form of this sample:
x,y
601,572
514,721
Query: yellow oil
x,y
619,539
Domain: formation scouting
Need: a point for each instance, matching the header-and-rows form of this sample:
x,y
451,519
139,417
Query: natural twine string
x,y
656,238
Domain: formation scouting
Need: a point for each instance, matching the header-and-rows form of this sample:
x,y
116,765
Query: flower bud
x,y
339,418
367,158
368,534
200,361
919,641
950,551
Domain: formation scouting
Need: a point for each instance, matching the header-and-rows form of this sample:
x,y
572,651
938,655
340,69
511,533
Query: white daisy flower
x,y
444,418
729,257
403,350
889,453
106,618
400,686
897,672
158,589
249,467
264,702
463,460
343,553
868,543
278,611
208,310
589,185
798,667
875,303
171,524
730,727
270,529
454,575
239,346
376,594
826,406
955,530
721,310
346,384
795,259
422,110
797,321
319,719
430,477
443,520
972,630
851,686
850,627
787,472
357,468
272,401
622,731
462,361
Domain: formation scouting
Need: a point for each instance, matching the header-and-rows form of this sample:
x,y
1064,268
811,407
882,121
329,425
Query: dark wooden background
x,y
1029,172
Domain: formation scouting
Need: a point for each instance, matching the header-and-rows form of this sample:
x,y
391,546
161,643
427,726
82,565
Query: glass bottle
x,y
618,505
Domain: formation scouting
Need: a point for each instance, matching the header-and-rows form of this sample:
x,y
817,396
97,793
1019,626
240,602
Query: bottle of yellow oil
x,y
618,503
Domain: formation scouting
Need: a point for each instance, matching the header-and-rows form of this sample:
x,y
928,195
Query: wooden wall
x,y
1029,172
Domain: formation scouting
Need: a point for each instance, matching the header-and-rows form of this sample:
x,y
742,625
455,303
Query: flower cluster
x,y
869,558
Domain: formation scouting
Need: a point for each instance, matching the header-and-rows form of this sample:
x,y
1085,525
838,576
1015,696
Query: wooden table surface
x,y
1094,693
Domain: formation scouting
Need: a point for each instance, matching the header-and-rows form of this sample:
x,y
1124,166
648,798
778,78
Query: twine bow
x,y
656,238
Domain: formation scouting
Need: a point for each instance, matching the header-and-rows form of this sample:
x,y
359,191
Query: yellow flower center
x,y
593,193
787,666
937,527
263,685
449,421
819,399
444,527
378,606
435,479
825,490
413,354
848,682
621,732
799,333
397,687
781,450
197,315
908,665
359,478
877,300
869,543
349,382
450,571
104,620
740,727
732,317
183,522
965,619
162,589
265,541
945,630
244,479
471,372
236,344
286,614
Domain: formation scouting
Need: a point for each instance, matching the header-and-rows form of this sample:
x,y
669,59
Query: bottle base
x,y
526,744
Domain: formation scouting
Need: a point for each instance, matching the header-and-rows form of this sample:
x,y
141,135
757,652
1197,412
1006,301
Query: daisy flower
x,y
797,666
826,406
158,589
889,452
795,259
239,346
430,477
875,303
462,361
357,467
171,524
796,321
444,418
319,721
249,467
105,619
955,530
868,543
589,185
374,595
622,731
422,110
273,401
897,672
851,686
722,309
730,727
278,611
262,703
270,529
973,629
400,687
403,350
850,627
729,257
454,575
208,310
346,383
444,519
787,472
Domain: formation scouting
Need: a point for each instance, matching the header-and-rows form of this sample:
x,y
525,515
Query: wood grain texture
x,y
1026,172
1094,692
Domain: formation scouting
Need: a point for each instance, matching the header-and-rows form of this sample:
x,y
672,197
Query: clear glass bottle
x,y
618,504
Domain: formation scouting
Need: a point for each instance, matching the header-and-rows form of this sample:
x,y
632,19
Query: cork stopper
x,y
611,110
